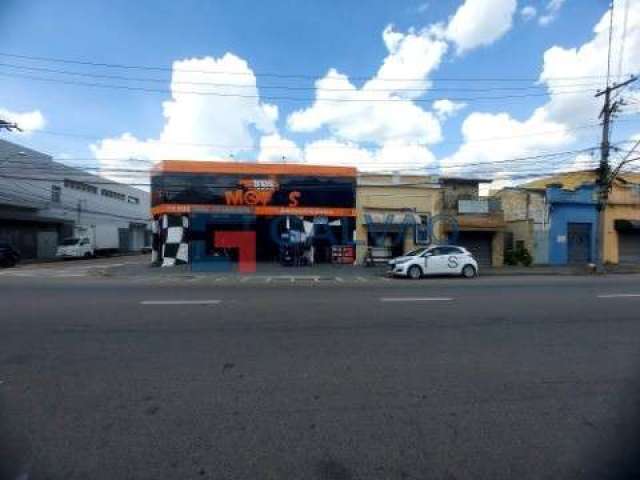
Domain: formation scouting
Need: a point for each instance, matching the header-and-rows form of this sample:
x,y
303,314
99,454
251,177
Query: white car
x,y
436,260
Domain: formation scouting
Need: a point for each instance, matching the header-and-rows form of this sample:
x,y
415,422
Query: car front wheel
x,y
468,271
414,272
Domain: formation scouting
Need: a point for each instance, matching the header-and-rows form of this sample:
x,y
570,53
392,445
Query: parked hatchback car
x,y
436,260
9,256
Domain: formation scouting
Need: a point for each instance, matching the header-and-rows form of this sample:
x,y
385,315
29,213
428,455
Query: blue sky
x,y
290,37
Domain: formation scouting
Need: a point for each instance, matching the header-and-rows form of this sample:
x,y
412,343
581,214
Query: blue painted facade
x,y
566,206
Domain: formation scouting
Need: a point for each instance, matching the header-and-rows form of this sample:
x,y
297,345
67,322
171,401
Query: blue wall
x,y
565,207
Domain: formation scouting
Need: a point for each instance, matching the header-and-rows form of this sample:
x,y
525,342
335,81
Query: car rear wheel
x,y
414,272
468,271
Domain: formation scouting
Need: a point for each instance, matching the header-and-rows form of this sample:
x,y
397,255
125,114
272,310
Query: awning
x,y
626,225
407,218
386,227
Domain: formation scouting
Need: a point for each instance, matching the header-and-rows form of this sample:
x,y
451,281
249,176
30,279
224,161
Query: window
x,y
111,194
450,251
134,200
56,193
81,186
422,229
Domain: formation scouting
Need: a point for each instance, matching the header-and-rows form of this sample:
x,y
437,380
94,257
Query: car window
x,y
415,253
69,241
451,251
436,251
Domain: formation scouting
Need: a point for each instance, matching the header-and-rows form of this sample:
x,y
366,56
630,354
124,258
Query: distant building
x,y
41,200
526,221
563,208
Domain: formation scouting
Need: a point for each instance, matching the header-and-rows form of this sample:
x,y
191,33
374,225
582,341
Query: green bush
x,y
519,256
510,258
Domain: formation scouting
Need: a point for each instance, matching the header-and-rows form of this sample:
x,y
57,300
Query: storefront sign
x,y
257,192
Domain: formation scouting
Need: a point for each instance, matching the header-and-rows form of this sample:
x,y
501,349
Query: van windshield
x,y
69,241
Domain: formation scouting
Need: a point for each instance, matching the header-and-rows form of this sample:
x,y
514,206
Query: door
x,y
629,246
123,239
479,244
47,244
579,243
436,261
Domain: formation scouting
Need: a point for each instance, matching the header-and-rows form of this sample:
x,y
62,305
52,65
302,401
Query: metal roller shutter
x,y
629,247
479,244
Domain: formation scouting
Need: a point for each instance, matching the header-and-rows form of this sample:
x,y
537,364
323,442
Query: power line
x,y
426,169
269,74
279,147
25,163
284,98
535,86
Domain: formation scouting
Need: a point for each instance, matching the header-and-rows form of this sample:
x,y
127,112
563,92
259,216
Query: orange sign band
x,y
267,211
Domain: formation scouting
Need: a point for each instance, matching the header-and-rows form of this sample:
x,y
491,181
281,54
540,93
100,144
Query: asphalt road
x,y
515,377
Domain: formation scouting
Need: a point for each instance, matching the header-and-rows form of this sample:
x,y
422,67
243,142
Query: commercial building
x,y
42,200
209,212
395,213
475,222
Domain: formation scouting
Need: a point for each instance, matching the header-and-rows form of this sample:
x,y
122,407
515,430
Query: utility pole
x,y
604,170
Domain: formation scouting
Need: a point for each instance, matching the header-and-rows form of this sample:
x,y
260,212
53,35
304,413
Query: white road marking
x,y
416,299
180,302
620,295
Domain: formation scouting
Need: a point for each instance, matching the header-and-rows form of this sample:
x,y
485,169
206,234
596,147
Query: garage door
x,y
629,247
479,244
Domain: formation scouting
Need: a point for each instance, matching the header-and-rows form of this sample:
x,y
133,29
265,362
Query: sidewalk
x,y
329,271
556,270
44,261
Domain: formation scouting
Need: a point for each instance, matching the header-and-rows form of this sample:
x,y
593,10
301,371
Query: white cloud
x,y
27,121
528,12
215,123
274,148
480,22
551,12
588,62
514,139
391,115
393,155
446,108
569,107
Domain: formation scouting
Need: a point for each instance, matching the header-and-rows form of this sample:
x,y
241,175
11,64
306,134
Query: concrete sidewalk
x,y
557,270
349,271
